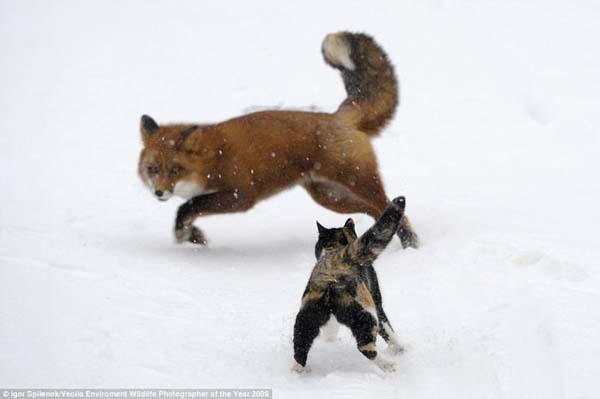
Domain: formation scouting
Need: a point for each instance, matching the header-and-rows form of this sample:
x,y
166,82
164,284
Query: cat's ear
x,y
322,230
349,229
349,224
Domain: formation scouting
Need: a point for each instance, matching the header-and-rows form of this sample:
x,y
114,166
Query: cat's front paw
x,y
399,202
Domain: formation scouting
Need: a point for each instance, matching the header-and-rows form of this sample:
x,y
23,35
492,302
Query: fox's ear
x,y
148,125
322,230
185,133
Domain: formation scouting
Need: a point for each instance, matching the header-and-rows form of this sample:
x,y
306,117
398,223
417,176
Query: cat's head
x,y
334,239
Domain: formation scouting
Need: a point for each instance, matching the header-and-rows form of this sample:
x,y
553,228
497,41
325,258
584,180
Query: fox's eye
x,y
152,170
175,170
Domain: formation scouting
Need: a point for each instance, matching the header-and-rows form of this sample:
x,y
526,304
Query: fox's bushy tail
x,y
369,78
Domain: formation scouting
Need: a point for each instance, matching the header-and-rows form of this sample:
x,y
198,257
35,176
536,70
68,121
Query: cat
x,y
344,284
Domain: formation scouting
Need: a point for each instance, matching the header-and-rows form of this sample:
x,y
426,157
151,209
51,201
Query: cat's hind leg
x,y
363,324
391,338
312,315
385,328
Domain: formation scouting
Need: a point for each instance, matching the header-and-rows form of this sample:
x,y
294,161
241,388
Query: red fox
x,y
230,166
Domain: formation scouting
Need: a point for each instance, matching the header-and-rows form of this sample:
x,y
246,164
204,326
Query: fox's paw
x,y
298,368
190,234
386,365
408,238
197,236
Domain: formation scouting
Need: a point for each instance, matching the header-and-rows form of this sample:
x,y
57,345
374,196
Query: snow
x,y
495,145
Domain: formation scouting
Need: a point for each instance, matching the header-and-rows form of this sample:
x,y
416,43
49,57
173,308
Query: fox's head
x,y
166,168
334,239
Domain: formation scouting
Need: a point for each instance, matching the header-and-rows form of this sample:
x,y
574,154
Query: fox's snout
x,y
163,195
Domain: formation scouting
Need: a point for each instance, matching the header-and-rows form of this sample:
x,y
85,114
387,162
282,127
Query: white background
x,y
495,145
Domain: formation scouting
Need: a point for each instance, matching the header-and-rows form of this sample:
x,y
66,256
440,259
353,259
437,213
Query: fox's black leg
x,y
312,315
204,205
407,235
363,325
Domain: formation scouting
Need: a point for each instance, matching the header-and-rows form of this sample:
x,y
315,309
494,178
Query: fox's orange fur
x,y
229,166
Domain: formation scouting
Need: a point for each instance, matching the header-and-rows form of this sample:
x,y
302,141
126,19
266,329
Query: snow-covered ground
x,y
496,146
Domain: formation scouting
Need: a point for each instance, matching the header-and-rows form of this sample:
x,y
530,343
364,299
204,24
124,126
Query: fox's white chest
x,y
187,189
